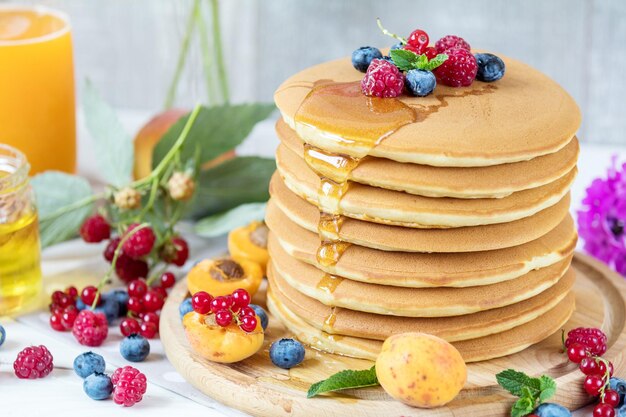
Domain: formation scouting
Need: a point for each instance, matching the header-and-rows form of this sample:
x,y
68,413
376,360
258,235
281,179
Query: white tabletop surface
x,y
61,394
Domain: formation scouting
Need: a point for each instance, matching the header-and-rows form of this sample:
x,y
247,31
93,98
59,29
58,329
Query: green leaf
x,y
222,223
513,381
237,181
113,147
64,202
435,62
403,59
344,380
522,407
422,61
547,386
217,130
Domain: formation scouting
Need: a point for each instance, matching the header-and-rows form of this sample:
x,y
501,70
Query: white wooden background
x,y
129,47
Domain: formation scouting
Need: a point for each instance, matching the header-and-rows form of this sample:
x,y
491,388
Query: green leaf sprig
x,y
407,60
531,391
344,380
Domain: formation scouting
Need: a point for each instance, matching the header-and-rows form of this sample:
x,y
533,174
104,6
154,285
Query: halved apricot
x,y
223,276
250,243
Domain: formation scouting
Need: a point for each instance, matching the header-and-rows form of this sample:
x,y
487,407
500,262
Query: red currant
x,y
220,303
602,368
603,410
137,288
576,352
68,317
589,366
109,251
168,280
72,292
247,311
135,305
418,39
148,330
201,302
55,322
248,324
611,398
430,52
241,298
593,384
129,326
162,292
223,318
89,294
152,301
56,297
151,318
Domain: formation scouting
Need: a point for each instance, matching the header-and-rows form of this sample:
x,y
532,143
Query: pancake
x,y
336,291
473,350
286,205
346,322
429,269
520,117
393,207
479,182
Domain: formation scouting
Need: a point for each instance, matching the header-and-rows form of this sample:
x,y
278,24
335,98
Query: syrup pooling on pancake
x,y
346,115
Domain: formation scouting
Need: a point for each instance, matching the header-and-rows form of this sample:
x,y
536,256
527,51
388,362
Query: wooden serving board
x,y
257,387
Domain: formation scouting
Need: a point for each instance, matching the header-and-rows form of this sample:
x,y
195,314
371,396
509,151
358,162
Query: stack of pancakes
x,y
445,214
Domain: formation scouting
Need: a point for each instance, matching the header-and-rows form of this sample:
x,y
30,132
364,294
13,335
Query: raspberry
x,y
382,79
450,42
594,340
130,385
181,186
176,251
90,329
459,70
127,198
139,243
95,229
109,251
418,40
33,362
129,269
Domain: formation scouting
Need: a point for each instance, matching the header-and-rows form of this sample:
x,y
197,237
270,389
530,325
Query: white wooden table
x,y
61,394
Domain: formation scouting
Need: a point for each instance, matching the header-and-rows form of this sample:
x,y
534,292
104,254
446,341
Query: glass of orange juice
x,y
37,104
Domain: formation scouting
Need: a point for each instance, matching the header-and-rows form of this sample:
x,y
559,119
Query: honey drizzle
x,y
329,283
329,322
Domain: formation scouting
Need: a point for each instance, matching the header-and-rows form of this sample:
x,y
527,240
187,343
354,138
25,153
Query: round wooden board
x,y
259,388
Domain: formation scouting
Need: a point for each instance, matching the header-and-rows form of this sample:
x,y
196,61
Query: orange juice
x,y
37,105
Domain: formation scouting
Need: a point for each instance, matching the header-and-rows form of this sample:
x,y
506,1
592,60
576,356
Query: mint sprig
x,y
407,60
344,380
532,391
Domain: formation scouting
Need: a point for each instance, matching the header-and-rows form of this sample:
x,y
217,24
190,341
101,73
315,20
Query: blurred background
x,y
130,49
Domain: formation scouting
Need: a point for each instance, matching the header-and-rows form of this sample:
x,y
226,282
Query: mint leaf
x,y
522,407
344,380
222,223
237,181
113,147
435,62
547,386
513,381
422,61
403,59
217,130
58,198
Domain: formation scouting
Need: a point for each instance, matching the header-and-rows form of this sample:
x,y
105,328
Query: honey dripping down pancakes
x,y
446,214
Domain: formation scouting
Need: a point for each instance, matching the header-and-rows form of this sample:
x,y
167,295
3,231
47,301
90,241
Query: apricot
x,y
150,134
223,276
420,370
221,344
250,242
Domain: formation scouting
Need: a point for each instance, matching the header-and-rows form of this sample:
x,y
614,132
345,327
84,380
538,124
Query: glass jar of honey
x,y
20,270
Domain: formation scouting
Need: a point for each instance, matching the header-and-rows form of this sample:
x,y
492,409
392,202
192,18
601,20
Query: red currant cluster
x,y
144,305
63,309
585,347
227,309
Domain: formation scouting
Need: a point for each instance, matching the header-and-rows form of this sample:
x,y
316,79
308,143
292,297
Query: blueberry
x,y
362,57
98,386
490,67
87,363
621,412
110,307
80,305
121,296
135,348
420,82
286,353
185,307
617,384
388,59
262,315
552,410
399,45
3,335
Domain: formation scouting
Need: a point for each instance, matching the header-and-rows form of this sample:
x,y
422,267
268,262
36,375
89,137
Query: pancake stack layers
x,y
445,214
